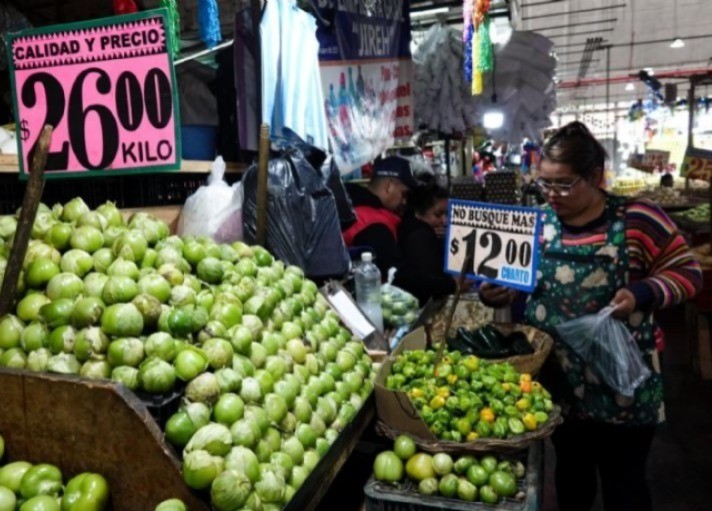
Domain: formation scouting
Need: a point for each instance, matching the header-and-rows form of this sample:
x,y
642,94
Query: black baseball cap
x,y
395,167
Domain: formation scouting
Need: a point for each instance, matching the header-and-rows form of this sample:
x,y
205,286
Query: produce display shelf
x,y
384,497
9,164
307,498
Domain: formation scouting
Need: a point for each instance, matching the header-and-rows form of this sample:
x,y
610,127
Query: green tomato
x,y
477,475
86,492
42,479
29,307
388,467
466,490
40,272
420,466
87,238
58,236
171,505
11,475
180,429
58,312
123,320
488,495
449,485
404,447
503,483
8,500
10,332
40,503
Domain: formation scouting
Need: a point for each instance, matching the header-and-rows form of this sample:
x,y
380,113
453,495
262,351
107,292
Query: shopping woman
x,y
421,240
598,250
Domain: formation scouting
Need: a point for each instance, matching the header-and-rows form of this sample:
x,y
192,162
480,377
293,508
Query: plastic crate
x,y
466,188
385,497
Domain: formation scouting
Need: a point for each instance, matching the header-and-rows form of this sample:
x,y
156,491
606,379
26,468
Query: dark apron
x,y
576,280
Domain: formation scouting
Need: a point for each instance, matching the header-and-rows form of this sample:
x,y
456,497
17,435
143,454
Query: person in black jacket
x,y
421,237
378,208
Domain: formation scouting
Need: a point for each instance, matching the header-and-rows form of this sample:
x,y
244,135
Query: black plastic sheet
x,y
303,225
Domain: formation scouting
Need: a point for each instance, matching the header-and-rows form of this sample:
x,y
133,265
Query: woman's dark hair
x,y
426,194
574,145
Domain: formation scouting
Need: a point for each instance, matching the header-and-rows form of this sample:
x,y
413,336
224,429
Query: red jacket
x,y
367,216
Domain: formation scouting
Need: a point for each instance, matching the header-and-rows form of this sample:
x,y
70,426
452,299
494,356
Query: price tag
x,y
108,89
697,164
502,240
656,159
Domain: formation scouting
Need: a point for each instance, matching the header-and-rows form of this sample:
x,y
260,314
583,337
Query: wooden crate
x,y
96,426
99,426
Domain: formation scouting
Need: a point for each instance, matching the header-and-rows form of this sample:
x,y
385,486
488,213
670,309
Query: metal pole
x,y
691,113
608,78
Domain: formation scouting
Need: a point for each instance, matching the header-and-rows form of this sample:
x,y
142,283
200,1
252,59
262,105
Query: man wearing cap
x,y
378,208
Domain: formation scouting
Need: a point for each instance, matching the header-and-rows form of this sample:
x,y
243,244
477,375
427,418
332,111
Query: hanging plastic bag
x,y
607,346
400,308
214,210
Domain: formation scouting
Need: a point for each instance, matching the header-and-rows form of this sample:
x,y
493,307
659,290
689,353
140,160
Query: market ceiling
x,y
639,33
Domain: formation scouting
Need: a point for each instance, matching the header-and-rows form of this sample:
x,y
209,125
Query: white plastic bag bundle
x,y
214,210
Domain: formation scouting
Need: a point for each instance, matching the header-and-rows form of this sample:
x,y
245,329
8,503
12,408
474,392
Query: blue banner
x,y
355,32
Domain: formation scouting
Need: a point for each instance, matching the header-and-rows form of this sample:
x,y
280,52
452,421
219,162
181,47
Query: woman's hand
x,y
624,303
466,286
496,296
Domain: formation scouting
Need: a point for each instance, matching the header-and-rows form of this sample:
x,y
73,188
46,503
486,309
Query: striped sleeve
x,y
663,269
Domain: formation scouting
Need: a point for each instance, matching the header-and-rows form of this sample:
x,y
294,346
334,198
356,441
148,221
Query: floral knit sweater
x,y
662,269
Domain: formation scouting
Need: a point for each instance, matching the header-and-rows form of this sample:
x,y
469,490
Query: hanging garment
x,y
246,81
292,95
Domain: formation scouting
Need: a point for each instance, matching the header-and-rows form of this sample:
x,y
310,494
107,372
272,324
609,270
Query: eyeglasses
x,y
560,189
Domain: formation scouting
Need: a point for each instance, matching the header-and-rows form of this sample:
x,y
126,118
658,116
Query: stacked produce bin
x,y
467,429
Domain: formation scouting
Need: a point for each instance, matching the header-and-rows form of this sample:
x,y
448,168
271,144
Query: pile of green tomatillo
x,y
271,376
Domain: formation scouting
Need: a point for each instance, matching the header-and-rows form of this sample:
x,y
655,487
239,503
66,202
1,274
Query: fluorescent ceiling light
x,y
429,12
629,86
677,43
493,120
650,71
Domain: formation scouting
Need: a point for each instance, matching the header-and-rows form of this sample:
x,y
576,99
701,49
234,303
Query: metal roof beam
x,y
580,33
577,24
579,11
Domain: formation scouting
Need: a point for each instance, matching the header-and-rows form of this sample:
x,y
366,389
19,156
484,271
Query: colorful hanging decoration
x,y
173,25
468,32
479,54
125,7
209,22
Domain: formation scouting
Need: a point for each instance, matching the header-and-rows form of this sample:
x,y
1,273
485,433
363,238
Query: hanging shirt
x,y
292,95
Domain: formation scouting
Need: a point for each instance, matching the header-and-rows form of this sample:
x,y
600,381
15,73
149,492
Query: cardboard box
x,y
395,408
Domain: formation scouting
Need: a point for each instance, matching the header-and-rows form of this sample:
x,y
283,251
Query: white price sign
x,y
501,241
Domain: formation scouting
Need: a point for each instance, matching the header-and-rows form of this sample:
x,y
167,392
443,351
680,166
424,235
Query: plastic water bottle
x,y
368,290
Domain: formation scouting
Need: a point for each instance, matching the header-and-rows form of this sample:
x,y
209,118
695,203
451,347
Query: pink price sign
x,y
108,89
